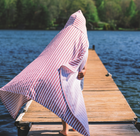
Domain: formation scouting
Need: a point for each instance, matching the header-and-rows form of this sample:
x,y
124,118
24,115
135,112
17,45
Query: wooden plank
x,y
95,130
100,106
96,78
104,102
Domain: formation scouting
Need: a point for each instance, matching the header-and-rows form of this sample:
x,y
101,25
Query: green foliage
x,y
7,13
2,13
120,13
53,10
131,10
101,24
30,13
20,12
91,13
42,18
106,27
112,26
131,13
109,27
69,7
98,2
49,14
113,10
101,10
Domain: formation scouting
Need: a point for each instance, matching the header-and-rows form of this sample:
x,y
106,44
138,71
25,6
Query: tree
x,y
20,14
131,13
29,11
64,12
91,13
68,7
112,10
76,5
123,21
98,3
53,9
2,13
43,17
42,14
101,11
131,10
10,13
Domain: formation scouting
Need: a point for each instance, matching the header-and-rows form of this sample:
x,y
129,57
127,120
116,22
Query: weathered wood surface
x,y
96,78
95,130
104,102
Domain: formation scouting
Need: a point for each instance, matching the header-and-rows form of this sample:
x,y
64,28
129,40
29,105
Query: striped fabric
x,y
51,79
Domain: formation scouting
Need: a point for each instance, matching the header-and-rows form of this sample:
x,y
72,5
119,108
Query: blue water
x,y
118,50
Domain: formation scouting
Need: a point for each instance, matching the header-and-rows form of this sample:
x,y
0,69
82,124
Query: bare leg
x,y
65,128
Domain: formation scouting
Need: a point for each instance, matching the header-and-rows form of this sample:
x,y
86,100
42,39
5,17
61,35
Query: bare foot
x,y
63,133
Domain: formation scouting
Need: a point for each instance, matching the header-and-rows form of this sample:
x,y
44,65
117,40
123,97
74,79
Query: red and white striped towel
x,y
51,79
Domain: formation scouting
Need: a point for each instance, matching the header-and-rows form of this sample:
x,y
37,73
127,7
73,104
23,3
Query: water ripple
x,y
119,52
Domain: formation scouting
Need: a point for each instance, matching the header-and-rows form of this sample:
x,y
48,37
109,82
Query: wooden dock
x,y
108,112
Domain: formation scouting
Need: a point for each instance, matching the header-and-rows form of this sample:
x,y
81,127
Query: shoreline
x,y
62,28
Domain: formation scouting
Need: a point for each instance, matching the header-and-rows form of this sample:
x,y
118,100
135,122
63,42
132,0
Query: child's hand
x,y
81,74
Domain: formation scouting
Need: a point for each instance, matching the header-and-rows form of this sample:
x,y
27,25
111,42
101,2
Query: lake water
x,y
118,50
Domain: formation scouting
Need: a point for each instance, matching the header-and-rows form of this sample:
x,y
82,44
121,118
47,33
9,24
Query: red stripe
x,y
42,80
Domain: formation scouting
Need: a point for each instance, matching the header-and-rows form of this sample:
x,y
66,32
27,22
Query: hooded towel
x,y
51,79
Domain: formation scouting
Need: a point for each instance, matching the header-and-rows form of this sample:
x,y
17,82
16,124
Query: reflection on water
x,y
119,52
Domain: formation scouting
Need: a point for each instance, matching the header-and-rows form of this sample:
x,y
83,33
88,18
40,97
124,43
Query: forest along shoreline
x,y
52,15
